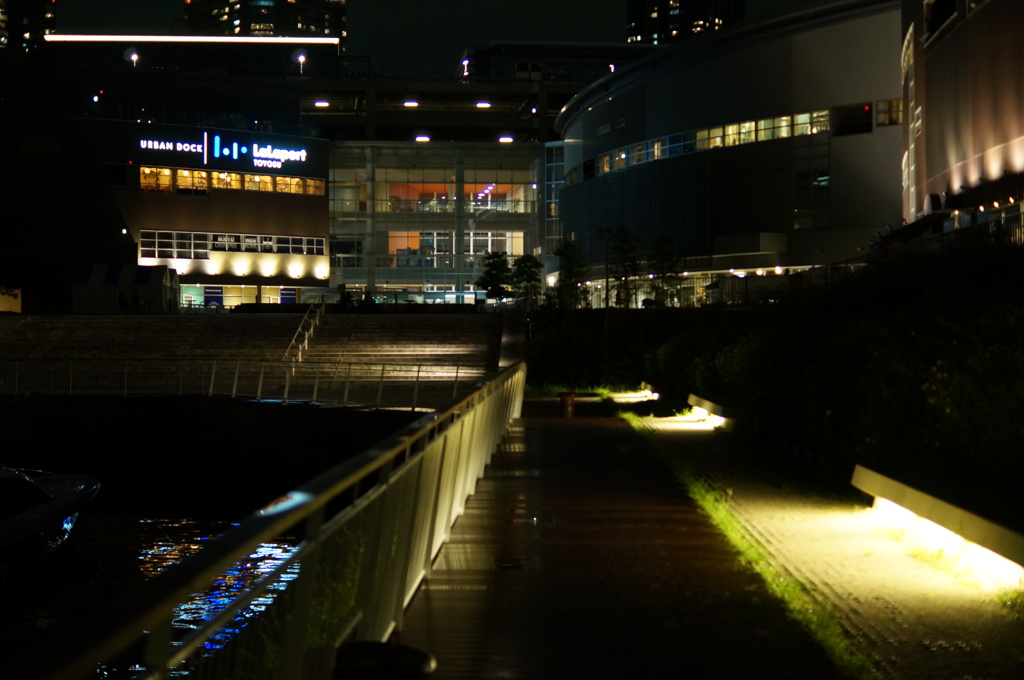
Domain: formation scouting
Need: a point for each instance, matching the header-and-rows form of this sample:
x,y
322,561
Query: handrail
x,y
318,311
349,382
369,529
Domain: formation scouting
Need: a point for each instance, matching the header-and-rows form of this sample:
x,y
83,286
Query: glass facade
x,y
423,216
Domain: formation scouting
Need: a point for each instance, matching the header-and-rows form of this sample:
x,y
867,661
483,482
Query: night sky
x,y
419,39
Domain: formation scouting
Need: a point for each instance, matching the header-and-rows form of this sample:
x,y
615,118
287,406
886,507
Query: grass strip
x,y
821,622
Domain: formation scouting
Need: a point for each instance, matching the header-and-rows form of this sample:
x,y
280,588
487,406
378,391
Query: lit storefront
x,y
241,216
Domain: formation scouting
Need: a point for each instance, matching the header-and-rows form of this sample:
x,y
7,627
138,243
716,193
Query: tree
x,y
526,278
496,278
572,273
664,263
624,263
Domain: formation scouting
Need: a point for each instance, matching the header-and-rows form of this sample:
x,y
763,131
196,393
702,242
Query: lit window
x,y
226,180
636,154
259,183
783,127
288,185
702,140
889,112
191,180
748,132
801,124
156,179
732,135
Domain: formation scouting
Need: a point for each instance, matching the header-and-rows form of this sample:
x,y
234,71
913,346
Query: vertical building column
x,y
370,246
459,244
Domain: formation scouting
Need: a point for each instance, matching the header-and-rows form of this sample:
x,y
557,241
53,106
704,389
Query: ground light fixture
x,y
974,547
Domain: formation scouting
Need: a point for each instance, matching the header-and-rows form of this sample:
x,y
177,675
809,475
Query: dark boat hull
x,y
38,513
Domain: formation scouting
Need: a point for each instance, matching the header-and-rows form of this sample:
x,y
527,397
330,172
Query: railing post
x,y
213,377
287,385
416,386
316,385
455,386
380,384
234,385
348,381
259,385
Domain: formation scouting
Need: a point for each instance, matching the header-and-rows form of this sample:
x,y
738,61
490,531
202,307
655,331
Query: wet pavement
x,y
901,602
579,557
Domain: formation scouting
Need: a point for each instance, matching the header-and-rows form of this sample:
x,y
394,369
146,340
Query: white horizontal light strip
x,y
215,39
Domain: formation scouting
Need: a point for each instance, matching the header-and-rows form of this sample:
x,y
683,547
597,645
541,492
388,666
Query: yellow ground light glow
x,y
968,560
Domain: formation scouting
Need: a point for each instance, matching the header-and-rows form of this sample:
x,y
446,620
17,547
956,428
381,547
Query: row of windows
x,y
843,120
198,245
189,181
712,138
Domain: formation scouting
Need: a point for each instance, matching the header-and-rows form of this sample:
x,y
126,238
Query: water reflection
x,y
264,571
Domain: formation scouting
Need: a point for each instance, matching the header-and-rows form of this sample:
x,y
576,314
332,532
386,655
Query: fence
x,y
367,384
364,534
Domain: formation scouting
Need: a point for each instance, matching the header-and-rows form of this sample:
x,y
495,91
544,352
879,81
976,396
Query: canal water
x,y
175,474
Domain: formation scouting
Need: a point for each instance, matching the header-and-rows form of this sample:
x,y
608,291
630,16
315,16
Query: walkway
x,y
579,558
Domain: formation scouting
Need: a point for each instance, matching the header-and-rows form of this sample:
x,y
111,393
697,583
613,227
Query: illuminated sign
x,y
262,155
164,145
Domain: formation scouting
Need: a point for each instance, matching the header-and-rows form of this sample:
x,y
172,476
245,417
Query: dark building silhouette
x,y
580,63
659,22
267,18
23,23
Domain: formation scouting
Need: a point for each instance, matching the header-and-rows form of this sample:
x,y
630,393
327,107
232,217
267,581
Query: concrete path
x,y
578,557
915,620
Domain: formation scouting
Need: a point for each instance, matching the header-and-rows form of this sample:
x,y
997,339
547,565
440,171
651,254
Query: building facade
x,y
268,18
753,151
964,132
413,221
23,23
662,22
241,216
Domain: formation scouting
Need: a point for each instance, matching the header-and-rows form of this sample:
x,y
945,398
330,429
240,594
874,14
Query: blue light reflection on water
x,y
187,537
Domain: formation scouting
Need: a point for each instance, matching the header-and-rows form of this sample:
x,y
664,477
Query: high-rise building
x,y
267,18
660,22
23,23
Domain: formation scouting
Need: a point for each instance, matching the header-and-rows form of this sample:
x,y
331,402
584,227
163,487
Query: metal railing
x,y
365,534
300,341
350,383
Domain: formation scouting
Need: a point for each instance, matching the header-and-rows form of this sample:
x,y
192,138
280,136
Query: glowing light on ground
x,y
634,397
696,420
932,542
